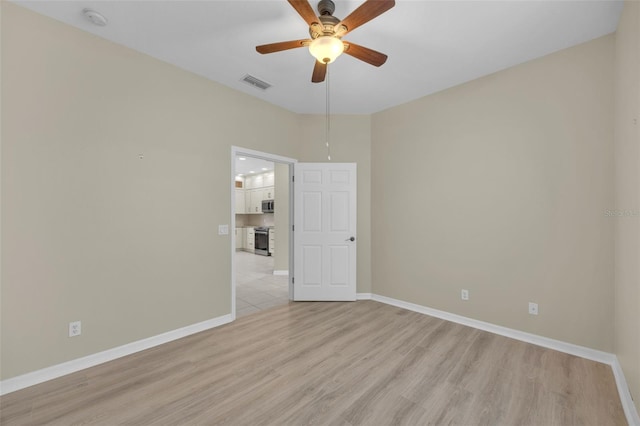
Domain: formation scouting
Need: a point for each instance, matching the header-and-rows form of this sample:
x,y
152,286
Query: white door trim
x,y
235,151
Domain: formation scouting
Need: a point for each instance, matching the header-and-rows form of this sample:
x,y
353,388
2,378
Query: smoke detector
x,y
95,17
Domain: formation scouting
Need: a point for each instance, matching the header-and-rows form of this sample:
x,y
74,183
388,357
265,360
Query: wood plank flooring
x,y
358,363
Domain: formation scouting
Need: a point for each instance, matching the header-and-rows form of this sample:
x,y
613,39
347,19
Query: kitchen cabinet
x,y
256,189
260,180
254,197
247,202
250,240
268,179
272,241
268,193
255,201
240,238
249,181
240,201
248,206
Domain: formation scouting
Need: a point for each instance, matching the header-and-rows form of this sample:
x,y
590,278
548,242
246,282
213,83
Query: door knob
x,y
351,239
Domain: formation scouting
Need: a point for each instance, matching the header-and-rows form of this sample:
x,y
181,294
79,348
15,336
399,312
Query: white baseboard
x,y
625,395
557,345
285,273
29,379
49,373
604,357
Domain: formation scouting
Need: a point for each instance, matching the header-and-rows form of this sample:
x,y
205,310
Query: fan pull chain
x,y
328,119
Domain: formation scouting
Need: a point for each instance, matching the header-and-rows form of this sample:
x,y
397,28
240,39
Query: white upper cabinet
x,y
240,201
269,179
259,181
269,193
257,188
255,197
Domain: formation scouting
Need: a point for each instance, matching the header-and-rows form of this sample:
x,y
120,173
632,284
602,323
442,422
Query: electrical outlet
x,y
75,328
464,294
533,308
223,229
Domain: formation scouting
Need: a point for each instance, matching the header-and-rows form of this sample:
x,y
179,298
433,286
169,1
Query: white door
x,y
325,231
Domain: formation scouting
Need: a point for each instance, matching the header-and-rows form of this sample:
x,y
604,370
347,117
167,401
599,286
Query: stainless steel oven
x,y
261,245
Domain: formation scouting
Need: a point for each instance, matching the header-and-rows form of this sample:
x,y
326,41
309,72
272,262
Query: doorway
x,y
261,212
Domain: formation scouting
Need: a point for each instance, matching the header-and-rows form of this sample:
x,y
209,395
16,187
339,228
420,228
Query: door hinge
x,y
293,178
293,280
293,228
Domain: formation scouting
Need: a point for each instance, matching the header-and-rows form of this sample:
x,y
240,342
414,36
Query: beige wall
x,y
128,246
92,232
627,197
350,143
499,186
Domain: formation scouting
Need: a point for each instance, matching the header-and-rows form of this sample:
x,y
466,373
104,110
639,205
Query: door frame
x,y
245,152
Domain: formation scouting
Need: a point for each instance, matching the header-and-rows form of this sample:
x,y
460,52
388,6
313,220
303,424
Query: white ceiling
x,y
432,45
251,165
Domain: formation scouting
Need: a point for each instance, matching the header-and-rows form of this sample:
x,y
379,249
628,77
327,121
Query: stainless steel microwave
x,y
267,206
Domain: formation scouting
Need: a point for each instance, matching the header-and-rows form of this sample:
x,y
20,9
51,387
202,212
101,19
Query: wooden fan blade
x,y
283,45
364,13
305,10
319,72
365,54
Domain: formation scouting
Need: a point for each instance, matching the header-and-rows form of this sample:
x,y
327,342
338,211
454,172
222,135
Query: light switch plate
x,y
223,229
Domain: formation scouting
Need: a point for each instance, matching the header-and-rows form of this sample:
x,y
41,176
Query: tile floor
x,y
257,288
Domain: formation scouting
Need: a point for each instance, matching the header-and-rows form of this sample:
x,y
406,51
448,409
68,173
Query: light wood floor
x,y
358,363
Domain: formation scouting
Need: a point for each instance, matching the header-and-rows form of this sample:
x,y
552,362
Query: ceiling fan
x,y
327,31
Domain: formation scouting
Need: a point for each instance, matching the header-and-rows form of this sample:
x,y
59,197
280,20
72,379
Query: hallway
x,y
257,288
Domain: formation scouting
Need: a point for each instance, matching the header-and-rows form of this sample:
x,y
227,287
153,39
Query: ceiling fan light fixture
x,y
326,48
326,32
